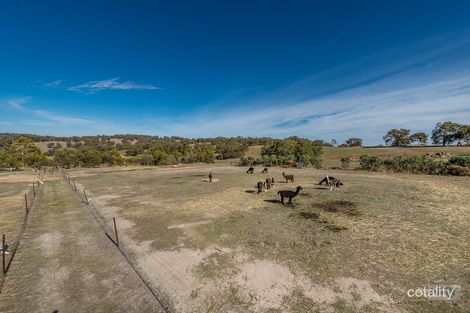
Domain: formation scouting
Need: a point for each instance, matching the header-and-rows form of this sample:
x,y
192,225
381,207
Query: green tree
x,y
159,156
112,157
445,133
23,152
145,159
354,142
463,135
3,158
419,137
397,137
66,158
294,149
91,158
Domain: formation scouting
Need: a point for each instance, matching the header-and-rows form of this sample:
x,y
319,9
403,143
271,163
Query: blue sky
x,y
330,69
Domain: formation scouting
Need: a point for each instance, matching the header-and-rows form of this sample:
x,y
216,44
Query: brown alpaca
x,y
268,183
250,170
289,194
264,171
288,177
261,187
210,177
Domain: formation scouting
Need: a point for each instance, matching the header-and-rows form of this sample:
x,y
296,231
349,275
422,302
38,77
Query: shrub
x,y
371,163
460,160
345,161
316,162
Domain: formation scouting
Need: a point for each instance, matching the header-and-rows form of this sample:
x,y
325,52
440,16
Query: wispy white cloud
x,y
53,84
110,84
367,112
67,120
46,117
413,86
17,103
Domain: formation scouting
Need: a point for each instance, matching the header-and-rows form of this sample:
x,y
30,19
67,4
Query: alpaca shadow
x,y
321,188
273,201
250,191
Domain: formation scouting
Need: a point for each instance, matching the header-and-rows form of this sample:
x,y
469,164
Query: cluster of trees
x,y
18,151
21,153
292,151
350,142
443,134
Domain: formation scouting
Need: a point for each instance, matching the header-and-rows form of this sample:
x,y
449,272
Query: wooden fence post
x,y
26,202
34,190
3,254
74,186
116,232
86,198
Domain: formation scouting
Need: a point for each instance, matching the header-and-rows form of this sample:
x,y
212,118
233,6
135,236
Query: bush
x,y
345,161
460,160
371,163
316,162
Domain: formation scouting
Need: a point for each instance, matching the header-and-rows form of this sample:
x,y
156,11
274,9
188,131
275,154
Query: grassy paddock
x,y
66,264
219,245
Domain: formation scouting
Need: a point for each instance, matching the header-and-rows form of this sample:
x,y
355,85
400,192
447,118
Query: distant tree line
x,y
445,133
20,151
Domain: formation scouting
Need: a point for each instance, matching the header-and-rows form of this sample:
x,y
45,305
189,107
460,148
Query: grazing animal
x,y
264,171
289,194
268,183
261,187
250,170
288,177
325,180
336,184
333,183
272,181
210,177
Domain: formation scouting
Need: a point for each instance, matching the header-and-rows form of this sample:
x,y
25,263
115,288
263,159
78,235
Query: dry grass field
x,y
221,247
64,262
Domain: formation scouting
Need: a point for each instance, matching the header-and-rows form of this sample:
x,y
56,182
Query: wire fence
x,y
112,234
11,237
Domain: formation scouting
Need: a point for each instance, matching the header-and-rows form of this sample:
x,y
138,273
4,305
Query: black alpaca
x,y
210,177
250,170
289,194
264,171
261,187
288,177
